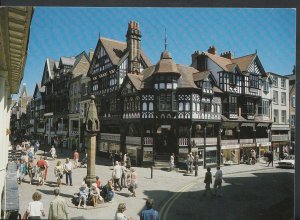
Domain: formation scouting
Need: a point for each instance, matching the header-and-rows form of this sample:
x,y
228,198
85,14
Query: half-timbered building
x,y
171,108
241,79
111,62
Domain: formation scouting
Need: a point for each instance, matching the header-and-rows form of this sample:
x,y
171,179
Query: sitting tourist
x,y
83,194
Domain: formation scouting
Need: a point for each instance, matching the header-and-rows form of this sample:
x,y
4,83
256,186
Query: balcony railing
x,y
246,141
148,140
183,141
227,142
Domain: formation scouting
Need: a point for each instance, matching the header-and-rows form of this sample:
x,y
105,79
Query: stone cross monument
x,y
92,127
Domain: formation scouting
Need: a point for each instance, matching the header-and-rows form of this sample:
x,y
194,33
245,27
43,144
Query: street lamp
x,y
92,126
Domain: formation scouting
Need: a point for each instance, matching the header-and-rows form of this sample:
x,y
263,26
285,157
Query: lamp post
x,y
92,126
220,130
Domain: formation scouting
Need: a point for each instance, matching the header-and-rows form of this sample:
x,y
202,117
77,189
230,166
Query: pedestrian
x,y
270,158
30,167
172,162
218,181
112,157
83,195
95,194
58,207
98,182
123,178
125,158
134,182
35,208
120,214
196,164
68,170
149,213
208,181
58,172
53,152
22,171
76,158
117,174
42,165
128,162
46,168
108,191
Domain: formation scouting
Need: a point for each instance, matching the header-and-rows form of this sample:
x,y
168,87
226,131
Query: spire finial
x,y
166,44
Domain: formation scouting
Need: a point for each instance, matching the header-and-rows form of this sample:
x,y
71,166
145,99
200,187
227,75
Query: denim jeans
x,y
110,195
69,176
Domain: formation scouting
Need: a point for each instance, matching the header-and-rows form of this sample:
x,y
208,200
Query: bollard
x,y
151,172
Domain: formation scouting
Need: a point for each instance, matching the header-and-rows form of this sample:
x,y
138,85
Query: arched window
x,y
180,106
187,106
144,106
151,106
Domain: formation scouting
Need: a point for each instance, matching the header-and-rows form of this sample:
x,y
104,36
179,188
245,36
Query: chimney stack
x,y
227,55
133,37
212,50
194,58
91,54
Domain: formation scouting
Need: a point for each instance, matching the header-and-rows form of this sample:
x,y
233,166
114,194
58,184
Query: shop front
x,y
262,149
230,154
245,152
182,154
134,150
211,156
280,149
109,143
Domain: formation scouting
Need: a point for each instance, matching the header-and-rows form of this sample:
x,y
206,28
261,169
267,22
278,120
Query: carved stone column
x,y
92,127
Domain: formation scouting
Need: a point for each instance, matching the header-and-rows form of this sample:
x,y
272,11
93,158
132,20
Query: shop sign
x,y
133,140
248,145
110,137
148,154
166,126
210,148
263,144
230,146
183,150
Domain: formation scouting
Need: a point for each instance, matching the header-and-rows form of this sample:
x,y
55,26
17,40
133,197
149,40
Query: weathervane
x,y
166,39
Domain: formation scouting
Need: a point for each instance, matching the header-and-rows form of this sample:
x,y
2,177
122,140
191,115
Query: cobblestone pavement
x,y
161,187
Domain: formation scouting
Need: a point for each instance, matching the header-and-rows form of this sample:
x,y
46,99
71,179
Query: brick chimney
x,y
91,54
212,50
194,58
133,46
227,55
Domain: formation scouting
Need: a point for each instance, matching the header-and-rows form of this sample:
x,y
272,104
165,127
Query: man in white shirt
x,y
218,181
68,169
117,174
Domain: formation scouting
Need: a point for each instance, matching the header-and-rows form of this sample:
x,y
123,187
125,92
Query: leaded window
x,y
232,104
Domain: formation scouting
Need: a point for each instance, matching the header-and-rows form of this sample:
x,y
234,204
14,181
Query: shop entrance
x,y
166,140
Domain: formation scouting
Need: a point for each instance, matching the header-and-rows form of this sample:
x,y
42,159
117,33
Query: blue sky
x,y
57,32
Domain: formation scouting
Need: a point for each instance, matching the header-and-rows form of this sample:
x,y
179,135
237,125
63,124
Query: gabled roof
x,y
82,69
201,75
220,61
117,49
50,65
136,80
69,61
40,87
244,61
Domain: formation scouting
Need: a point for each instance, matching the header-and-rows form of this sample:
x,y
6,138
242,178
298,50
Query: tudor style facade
x,y
111,62
241,79
171,108
38,108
